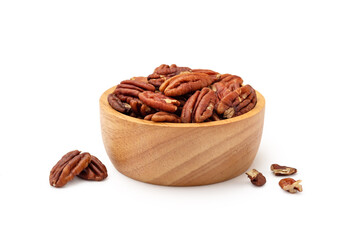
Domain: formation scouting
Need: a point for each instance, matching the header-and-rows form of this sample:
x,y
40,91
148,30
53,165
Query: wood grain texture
x,y
181,154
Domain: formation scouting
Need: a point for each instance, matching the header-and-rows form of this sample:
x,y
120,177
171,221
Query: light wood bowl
x,y
181,154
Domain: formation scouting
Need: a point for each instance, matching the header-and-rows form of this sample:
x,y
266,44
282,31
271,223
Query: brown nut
x,y
199,107
215,75
235,103
282,170
185,82
231,82
133,87
116,103
70,165
159,101
256,177
95,171
163,117
167,71
290,185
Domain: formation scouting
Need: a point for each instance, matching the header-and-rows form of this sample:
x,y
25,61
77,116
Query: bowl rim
x,y
106,107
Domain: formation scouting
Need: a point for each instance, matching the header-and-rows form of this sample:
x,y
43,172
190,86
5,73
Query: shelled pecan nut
x,y
237,102
167,71
256,177
282,170
199,106
163,117
133,88
116,103
290,185
95,171
230,81
157,100
215,75
70,165
185,82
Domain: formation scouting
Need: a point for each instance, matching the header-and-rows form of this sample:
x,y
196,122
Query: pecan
x,y
199,107
231,82
117,104
215,75
290,185
133,88
185,82
159,101
282,170
157,81
70,165
236,102
139,79
256,177
96,170
163,117
167,71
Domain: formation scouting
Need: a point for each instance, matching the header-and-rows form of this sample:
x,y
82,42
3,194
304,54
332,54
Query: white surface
x,y
57,57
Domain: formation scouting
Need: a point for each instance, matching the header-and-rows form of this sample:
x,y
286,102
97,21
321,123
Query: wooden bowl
x,y
181,154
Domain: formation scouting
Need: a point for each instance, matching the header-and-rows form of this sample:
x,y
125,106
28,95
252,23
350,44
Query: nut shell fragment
x,y
256,177
282,170
290,185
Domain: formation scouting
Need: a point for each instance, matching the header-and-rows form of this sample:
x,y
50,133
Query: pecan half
x,y
95,171
215,75
256,177
167,71
199,107
290,185
116,103
70,165
163,117
133,88
158,81
185,82
282,170
236,102
231,82
159,101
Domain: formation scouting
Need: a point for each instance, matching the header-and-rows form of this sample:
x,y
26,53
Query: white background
x,y
57,57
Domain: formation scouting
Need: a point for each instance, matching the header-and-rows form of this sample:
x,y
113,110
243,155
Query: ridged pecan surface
x,y
70,165
199,107
163,117
187,93
95,171
185,82
159,101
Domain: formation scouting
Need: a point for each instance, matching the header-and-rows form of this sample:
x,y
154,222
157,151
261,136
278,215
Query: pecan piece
x,y
256,177
70,165
133,88
116,103
231,82
159,101
185,82
237,102
290,185
163,117
282,170
95,171
215,75
199,107
167,71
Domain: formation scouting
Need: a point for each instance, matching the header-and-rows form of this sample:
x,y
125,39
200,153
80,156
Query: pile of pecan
x,y
181,94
